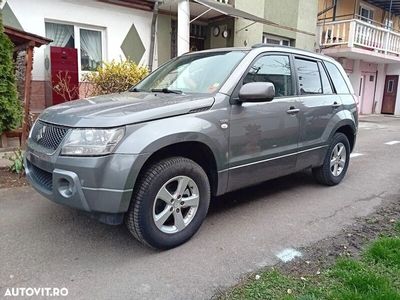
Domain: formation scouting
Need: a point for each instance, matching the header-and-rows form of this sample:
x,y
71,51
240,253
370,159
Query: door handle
x,y
292,110
336,105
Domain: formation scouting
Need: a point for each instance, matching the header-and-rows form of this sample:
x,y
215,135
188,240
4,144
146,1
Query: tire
x,y
325,174
159,201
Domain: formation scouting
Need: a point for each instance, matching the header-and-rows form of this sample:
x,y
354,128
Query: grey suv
x,y
201,125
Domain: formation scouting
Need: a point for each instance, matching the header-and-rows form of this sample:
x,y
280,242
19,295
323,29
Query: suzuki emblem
x,y
41,133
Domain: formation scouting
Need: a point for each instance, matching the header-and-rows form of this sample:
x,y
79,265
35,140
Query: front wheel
x,y
169,204
335,163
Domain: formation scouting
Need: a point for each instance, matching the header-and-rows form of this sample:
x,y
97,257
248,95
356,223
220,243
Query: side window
x,y
275,69
326,85
308,76
337,78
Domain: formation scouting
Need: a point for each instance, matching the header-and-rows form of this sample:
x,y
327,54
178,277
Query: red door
x,y
64,73
389,95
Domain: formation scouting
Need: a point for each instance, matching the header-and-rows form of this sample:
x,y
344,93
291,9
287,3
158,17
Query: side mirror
x,y
257,92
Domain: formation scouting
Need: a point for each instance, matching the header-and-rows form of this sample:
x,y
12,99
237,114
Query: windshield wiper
x,y
166,91
136,90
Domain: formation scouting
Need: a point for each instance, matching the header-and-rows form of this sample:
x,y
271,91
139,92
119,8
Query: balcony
x,y
229,2
357,36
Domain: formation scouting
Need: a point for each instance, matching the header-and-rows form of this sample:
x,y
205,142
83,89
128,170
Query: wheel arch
x,y
349,129
197,151
349,132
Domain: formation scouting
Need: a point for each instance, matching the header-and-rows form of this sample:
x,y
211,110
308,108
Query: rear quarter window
x,y
337,78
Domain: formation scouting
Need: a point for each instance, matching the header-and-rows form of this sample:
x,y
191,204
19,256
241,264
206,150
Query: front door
x,y
390,94
264,135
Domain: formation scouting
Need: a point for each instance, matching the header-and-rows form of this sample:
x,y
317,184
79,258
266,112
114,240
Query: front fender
x,y
146,138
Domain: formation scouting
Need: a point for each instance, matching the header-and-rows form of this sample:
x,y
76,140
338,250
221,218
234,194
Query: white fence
x,y
359,33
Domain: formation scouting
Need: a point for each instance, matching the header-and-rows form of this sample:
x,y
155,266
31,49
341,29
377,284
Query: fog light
x,y
65,187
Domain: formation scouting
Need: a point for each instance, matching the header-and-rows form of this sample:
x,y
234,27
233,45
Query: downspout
x,y
334,10
153,35
376,83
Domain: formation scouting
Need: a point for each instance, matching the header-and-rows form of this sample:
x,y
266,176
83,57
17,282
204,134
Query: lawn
x,y
374,275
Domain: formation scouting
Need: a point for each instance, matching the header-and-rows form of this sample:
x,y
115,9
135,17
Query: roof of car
x,y
265,48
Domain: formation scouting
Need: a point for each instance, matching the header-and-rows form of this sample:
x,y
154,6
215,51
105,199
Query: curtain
x,y
59,33
91,44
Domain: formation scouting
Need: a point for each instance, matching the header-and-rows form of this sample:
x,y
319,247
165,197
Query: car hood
x,y
125,108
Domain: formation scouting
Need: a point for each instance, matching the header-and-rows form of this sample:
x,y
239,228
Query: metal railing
x,y
229,2
358,33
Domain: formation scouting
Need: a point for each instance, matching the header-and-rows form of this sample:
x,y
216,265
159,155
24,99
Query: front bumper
x,y
93,184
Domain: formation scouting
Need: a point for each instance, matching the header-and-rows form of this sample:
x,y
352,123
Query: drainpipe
x,y
334,10
153,35
183,26
376,84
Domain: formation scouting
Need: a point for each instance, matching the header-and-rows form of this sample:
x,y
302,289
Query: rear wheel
x,y
169,204
336,161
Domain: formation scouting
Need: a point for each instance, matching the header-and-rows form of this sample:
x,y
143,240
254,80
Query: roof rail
x,y
260,45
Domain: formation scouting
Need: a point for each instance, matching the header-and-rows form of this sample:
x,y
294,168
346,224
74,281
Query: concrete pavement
x,y
46,245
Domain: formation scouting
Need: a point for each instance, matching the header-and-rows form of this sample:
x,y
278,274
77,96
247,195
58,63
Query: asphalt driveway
x,y
43,244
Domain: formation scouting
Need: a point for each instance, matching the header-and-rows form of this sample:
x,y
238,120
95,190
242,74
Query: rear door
x,y
318,104
264,135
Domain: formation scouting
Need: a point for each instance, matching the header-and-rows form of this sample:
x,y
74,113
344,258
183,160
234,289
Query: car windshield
x,y
194,73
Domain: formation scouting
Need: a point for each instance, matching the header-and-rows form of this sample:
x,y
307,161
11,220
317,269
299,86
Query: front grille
x,y
48,136
41,177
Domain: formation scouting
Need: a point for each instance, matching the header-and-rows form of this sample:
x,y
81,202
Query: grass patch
x,y
375,276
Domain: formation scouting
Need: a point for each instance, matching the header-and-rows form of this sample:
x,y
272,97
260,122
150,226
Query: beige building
x,y
365,37
281,22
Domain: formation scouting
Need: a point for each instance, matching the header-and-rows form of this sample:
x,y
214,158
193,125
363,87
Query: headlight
x,y
30,131
88,142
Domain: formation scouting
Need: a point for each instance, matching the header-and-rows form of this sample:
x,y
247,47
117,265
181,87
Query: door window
x,y
308,77
390,86
337,78
274,69
326,85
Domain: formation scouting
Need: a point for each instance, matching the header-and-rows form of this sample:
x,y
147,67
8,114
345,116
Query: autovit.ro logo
x,y
36,291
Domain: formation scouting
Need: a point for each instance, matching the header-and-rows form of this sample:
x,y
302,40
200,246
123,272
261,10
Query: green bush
x,y
10,106
17,162
115,77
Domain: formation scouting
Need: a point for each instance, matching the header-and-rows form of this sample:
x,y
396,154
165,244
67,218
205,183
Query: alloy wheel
x,y
338,159
176,204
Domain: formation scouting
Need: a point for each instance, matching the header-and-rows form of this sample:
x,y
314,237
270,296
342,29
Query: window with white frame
x,y
366,13
275,40
88,41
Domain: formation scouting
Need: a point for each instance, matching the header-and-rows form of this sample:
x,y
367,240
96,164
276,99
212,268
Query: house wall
x,y
372,91
350,7
301,14
220,41
32,15
307,20
253,34
163,38
90,13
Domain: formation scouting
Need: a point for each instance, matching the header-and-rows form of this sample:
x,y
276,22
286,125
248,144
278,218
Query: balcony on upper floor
x,y
353,37
229,2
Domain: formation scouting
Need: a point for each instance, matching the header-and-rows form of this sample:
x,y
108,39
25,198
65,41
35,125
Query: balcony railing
x,y
229,2
357,33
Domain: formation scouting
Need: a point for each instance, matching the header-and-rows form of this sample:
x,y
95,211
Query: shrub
x,y
10,106
17,162
115,77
